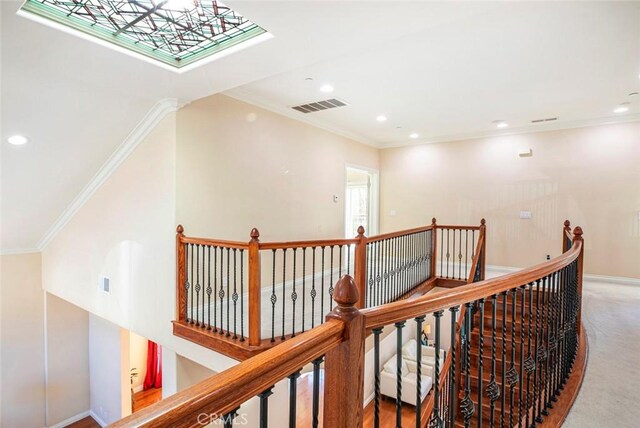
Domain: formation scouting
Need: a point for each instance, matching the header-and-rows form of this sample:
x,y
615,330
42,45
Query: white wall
x,y
105,369
22,338
67,333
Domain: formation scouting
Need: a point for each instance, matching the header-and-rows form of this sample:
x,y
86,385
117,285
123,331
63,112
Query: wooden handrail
x,y
215,242
476,258
403,310
398,233
458,227
307,244
226,391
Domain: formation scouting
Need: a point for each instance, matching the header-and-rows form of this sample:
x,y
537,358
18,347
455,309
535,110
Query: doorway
x,y
361,201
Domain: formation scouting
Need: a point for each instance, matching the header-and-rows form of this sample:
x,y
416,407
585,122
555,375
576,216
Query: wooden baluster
x,y
483,255
577,237
360,269
344,364
181,276
566,244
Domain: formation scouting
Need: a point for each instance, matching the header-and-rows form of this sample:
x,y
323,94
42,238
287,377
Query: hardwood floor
x,y
87,422
146,398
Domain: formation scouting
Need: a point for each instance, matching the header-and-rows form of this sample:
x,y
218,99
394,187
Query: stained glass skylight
x,y
175,32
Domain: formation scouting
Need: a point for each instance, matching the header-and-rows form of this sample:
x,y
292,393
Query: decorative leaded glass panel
x,y
175,32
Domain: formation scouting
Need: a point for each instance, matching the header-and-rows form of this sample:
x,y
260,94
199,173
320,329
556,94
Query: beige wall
x,y
22,332
67,360
239,166
138,359
588,175
189,372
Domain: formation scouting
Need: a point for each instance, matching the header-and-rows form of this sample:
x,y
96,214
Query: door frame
x,y
374,196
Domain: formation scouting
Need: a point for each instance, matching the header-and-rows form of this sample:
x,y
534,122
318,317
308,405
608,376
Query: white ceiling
x,y
473,64
440,69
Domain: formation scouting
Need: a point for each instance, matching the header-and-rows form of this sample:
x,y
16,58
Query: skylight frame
x,y
203,49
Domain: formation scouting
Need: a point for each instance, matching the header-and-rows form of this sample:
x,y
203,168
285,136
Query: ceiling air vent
x,y
549,119
319,105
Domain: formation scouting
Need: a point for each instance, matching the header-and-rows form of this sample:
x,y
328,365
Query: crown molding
x,y
529,129
244,96
135,137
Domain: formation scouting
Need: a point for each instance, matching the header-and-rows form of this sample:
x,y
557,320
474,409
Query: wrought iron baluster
x,y
399,326
209,290
529,364
331,279
221,292
369,267
215,289
264,407
512,375
294,296
316,392
378,279
453,371
466,405
234,296
436,418
376,381
200,322
480,358
313,286
522,331
228,418
293,394
349,260
535,416
304,286
274,298
441,251
188,281
503,370
418,410
547,337
493,392
466,253
284,278
322,287
228,291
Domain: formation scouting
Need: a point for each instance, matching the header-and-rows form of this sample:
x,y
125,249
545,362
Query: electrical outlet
x,y
335,199
548,256
526,215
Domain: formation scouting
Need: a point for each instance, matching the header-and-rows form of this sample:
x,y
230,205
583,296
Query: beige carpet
x,y
609,396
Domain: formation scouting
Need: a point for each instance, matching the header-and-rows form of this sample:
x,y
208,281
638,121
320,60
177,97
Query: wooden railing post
x,y
255,289
566,244
360,267
181,297
483,255
434,246
344,364
577,237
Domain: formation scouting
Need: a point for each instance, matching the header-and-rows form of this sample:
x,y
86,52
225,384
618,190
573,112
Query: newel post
x,y
577,237
483,255
181,272
434,246
344,364
566,242
254,288
360,267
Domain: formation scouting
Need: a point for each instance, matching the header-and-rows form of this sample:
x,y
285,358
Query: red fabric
x,y
153,379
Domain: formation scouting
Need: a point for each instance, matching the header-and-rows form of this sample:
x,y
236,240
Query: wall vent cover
x,y
319,105
548,119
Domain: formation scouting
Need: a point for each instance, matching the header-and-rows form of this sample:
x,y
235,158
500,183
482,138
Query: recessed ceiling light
x,y
622,108
326,89
413,136
17,140
381,118
500,123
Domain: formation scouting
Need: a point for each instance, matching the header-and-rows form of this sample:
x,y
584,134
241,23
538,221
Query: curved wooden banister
x,y
398,233
221,393
400,311
214,242
307,243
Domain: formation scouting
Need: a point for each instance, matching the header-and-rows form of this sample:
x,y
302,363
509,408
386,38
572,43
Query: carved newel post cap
x,y
346,292
360,230
180,229
577,232
255,233
483,222
567,223
433,220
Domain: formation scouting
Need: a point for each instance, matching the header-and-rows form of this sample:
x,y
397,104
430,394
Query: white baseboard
x,y
97,419
71,420
622,280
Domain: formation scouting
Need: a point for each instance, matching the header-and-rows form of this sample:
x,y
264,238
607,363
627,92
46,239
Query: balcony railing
x,y
516,357
240,298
